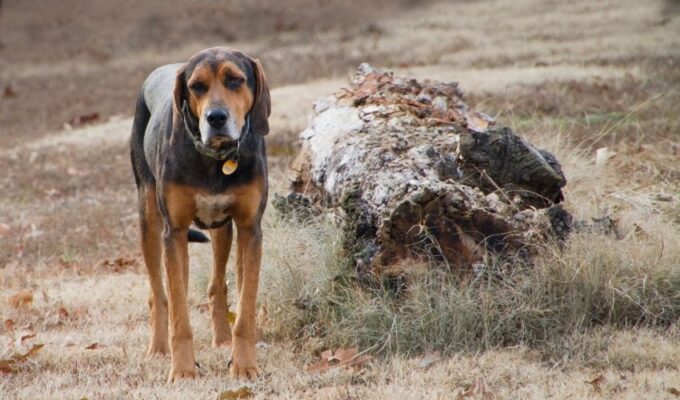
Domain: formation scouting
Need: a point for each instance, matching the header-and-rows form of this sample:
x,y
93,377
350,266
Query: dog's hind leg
x,y
151,226
221,239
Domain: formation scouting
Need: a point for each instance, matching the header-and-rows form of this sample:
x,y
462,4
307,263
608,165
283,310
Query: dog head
x,y
223,88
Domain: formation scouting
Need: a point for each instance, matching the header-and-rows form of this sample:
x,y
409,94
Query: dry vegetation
x,y
596,318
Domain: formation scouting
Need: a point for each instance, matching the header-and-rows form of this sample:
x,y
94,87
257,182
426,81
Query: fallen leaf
x,y
9,324
356,362
8,92
326,355
319,366
92,346
120,264
84,119
478,390
675,392
343,357
8,366
241,393
345,354
596,382
29,353
231,317
21,299
27,336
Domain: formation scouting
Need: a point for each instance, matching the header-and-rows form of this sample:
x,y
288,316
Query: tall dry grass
x,y
570,302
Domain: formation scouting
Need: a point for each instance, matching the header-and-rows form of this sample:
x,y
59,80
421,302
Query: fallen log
x,y
417,174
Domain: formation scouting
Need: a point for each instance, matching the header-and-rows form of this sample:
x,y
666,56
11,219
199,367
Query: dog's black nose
x,y
217,118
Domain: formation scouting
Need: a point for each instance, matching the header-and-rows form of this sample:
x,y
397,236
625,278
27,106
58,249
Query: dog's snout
x,y
217,118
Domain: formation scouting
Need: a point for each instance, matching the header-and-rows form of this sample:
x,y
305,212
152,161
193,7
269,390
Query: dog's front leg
x,y
181,339
249,255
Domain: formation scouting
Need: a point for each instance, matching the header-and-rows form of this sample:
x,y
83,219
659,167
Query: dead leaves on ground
x,y
84,119
8,92
597,382
478,390
120,264
22,299
9,324
9,366
341,358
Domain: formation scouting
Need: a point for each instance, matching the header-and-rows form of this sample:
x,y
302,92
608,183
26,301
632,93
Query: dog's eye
x,y
233,82
198,87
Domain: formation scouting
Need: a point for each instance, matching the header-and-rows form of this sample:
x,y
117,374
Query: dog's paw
x,y
243,362
157,349
244,372
177,374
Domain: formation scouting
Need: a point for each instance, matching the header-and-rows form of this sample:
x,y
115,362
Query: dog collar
x,y
191,125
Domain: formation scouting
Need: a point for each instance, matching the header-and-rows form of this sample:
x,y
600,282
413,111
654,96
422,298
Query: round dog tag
x,y
229,167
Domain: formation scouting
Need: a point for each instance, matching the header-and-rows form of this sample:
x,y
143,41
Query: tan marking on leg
x,y
180,206
247,217
151,227
249,242
221,239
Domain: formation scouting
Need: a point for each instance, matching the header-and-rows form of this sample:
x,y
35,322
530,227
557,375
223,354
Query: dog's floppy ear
x,y
180,93
262,106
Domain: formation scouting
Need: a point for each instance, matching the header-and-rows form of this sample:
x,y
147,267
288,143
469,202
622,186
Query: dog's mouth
x,y
219,139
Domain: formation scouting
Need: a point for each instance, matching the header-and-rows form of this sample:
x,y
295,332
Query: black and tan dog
x,y
198,156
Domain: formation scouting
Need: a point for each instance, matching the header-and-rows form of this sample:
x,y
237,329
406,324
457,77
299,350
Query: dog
x,y
198,156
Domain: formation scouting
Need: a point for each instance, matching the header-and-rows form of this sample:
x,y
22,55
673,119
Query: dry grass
x,y
572,77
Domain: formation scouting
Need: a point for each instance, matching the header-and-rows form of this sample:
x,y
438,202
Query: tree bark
x,y
417,174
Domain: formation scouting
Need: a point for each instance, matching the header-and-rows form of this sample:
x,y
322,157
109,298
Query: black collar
x,y
191,125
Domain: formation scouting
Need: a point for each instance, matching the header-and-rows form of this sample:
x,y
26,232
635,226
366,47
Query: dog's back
x,y
153,115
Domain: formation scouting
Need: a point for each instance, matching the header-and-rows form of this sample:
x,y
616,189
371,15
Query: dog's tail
x,y
197,236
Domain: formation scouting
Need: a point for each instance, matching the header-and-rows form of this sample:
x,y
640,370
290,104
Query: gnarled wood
x,y
417,173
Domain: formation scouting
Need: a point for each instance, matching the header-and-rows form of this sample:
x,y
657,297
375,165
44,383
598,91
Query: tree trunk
x,y
417,174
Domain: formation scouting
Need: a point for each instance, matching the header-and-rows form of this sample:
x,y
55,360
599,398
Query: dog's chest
x,y
212,211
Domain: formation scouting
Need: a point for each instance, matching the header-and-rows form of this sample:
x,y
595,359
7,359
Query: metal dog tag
x,y
229,167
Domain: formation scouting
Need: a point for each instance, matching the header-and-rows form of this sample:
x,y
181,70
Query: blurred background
x,y
62,60
577,78
69,58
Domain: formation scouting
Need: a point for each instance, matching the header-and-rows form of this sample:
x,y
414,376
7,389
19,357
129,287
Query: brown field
x,y
595,319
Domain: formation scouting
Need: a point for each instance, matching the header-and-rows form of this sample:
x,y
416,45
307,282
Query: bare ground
x,y
571,76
